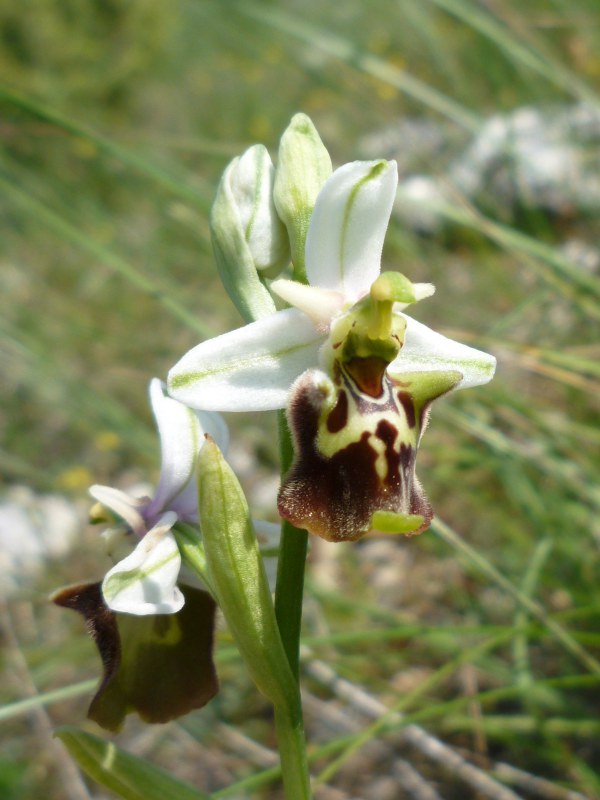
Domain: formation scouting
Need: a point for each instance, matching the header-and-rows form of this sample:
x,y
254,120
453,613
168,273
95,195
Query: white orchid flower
x,y
356,373
145,581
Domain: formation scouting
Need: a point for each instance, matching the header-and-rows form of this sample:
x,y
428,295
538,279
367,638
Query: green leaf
x,y
129,777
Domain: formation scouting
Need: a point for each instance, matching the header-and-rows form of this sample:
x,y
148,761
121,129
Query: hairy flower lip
x,y
136,651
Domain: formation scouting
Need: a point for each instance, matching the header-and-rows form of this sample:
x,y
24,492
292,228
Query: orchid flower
x,y
356,374
145,581
154,637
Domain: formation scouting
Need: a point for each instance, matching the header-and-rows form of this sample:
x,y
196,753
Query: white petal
x,y
130,509
181,433
422,291
321,305
425,350
145,581
348,225
248,369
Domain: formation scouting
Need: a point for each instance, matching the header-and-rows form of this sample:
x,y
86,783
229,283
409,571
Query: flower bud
x,y
252,187
303,166
249,239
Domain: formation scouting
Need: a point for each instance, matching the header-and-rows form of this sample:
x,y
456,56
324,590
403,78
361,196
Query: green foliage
x,y
128,776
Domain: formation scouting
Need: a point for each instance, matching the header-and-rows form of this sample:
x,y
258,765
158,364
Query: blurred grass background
x,y
116,120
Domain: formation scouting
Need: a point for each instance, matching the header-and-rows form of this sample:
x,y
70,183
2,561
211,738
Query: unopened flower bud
x,y
252,187
303,166
249,240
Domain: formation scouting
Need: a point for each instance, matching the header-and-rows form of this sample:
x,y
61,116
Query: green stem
x,y
288,611
290,567
292,752
289,590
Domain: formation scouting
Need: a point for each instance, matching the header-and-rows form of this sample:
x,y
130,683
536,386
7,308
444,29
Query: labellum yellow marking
x,y
356,432
364,416
381,464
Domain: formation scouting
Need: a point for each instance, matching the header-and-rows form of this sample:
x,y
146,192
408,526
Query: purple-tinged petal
x,y
348,226
145,582
130,509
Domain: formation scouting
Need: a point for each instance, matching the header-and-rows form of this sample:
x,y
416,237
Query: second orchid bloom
x,y
356,374
154,632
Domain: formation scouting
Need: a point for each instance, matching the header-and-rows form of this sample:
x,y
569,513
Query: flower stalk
x,y
293,548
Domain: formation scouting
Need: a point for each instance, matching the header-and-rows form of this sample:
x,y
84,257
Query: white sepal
x,y
145,582
250,368
348,226
130,509
425,350
181,437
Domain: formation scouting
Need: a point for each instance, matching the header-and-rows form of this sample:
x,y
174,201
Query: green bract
x,y
237,577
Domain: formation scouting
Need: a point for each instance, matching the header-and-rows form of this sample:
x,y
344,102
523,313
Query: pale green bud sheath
x,y
303,166
236,575
249,240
